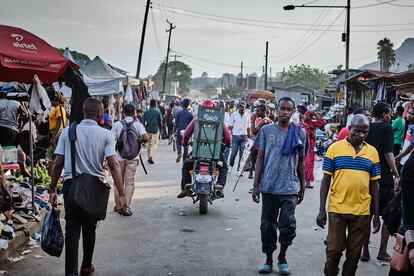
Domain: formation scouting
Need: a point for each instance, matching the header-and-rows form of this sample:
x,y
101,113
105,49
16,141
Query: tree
x,y
305,76
411,67
231,92
386,54
177,71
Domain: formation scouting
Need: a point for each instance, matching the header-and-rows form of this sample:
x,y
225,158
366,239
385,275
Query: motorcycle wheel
x,y
203,205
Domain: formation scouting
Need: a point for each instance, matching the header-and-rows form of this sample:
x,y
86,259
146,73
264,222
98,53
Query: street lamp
x,y
348,29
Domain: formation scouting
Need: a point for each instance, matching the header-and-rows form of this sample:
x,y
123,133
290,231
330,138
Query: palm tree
x,y
386,54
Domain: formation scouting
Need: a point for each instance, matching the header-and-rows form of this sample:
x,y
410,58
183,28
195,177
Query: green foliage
x,y
176,71
410,67
305,76
386,54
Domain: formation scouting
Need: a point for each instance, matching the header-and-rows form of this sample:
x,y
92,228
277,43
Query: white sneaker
x,y
230,170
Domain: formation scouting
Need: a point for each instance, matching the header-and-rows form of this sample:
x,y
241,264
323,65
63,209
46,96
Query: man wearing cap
x,y
239,126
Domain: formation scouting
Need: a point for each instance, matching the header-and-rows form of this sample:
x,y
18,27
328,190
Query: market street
x,y
167,236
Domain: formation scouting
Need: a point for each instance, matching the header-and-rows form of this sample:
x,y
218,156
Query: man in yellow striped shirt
x,y
351,171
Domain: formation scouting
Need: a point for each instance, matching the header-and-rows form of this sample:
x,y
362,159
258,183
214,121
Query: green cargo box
x,y
208,133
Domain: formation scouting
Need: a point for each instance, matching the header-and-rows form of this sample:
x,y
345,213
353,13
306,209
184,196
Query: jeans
x,y
278,212
237,146
188,165
358,228
180,147
76,221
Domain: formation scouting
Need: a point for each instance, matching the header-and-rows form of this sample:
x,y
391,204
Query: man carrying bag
x,y
92,145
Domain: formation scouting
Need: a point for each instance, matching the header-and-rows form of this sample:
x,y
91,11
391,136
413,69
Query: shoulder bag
x,y
88,192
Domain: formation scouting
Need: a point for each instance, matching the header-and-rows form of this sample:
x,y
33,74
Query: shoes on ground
x,y
230,170
178,158
283,269
126,213
184,193
151,161
86,271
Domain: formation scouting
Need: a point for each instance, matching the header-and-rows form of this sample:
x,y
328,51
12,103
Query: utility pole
x,y
141,47
270,76
267,52
348,31
241,74
169,31
175,57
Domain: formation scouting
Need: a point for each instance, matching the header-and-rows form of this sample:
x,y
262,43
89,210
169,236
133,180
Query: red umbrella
x,y
23,55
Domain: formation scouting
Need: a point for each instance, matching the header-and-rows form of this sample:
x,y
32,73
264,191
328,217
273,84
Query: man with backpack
x,y
128,134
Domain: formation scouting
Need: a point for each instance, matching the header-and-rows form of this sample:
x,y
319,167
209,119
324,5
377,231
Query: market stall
x,y
28,59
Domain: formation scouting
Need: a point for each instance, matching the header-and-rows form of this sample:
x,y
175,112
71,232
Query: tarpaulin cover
x,y
23,55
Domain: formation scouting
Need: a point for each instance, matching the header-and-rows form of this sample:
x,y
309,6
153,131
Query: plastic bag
x,y
52,236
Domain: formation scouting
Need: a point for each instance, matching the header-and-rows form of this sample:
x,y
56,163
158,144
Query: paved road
x,y
167,236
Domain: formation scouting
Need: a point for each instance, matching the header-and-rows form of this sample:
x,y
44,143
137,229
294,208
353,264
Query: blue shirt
x,y
182,120
279,171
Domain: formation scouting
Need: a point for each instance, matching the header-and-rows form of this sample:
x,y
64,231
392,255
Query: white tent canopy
x,y
101,79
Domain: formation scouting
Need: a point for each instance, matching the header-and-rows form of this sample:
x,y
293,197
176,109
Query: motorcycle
x,y
204,187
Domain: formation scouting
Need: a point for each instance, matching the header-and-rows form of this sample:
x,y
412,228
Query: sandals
x,y
265,269
283,269
126,213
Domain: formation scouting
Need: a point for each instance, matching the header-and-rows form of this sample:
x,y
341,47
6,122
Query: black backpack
x,y
128,144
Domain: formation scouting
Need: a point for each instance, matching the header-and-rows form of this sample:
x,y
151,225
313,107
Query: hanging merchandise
x,y
128,95
39,100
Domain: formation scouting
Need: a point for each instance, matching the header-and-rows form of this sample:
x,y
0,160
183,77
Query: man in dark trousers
x,y
281,186
153,124
182,120
94,145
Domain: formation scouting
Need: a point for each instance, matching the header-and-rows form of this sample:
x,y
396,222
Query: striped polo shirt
x,y
351,175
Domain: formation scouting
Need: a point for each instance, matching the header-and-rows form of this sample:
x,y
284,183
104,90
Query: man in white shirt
x,y
128,167
239,126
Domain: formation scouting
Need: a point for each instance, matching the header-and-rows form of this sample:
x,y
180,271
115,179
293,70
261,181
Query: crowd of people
x,y
369,163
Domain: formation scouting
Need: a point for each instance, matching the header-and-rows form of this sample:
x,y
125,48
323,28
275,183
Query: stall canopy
x,y
23,55
101,79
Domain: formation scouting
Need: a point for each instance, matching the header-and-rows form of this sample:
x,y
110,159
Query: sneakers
x,y
151,161
230,170
178,158
184,193
265,269
283,269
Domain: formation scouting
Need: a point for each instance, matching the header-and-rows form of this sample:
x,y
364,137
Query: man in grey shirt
x,y
280,179
94,145
10,111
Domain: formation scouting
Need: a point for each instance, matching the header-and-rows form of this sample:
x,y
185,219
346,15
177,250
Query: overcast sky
x,y
112,30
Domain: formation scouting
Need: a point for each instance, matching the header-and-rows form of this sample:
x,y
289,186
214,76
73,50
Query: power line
x,y
304,38
397,5
157,42
175,10
313,42
284,28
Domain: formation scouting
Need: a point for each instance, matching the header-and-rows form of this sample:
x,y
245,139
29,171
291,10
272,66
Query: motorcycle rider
x,y
187,165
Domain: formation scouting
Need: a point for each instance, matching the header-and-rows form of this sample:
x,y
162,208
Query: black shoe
x,y
151,161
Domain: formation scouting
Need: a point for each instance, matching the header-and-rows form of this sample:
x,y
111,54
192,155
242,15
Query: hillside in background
x,y
404,56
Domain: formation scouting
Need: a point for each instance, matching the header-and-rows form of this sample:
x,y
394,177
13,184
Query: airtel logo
x,y
17,37
19,44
